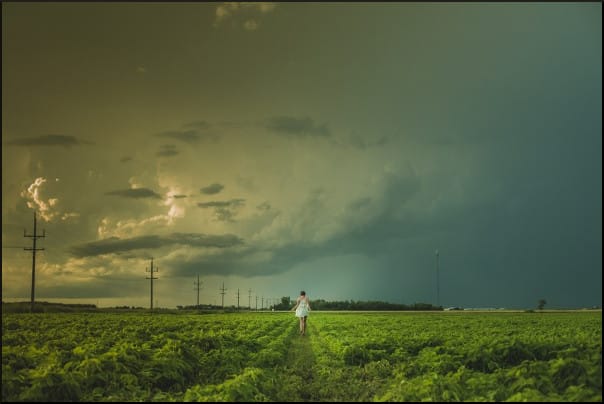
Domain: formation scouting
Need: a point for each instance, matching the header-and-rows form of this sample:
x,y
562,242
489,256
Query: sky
x,y
325,147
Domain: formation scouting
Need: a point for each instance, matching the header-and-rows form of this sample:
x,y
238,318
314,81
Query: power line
x,y
197,288
151,271
33,250
437,280
222,293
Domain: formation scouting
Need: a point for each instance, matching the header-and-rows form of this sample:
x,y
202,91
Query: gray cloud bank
x,y
292,126
212,189
48,140
135,193
114,245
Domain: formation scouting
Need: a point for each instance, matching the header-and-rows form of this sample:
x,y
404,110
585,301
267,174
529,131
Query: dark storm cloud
x,y
100,287
222,204
212,189
125,159
167,150
379,235
48,140
116,245
224,211
288,125
191,136
179,196
135,193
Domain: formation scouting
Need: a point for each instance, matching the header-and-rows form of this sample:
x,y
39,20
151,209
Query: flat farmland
x,y
404,356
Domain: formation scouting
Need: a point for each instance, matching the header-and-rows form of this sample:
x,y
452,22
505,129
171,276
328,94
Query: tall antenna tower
x,y
437,280
249,299
237,299
197,288
33,250
151,271
222,293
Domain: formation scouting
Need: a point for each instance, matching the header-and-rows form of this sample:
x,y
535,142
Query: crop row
x,y
344,357
130,358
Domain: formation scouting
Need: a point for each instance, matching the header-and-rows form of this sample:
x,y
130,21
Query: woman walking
x,y
302,308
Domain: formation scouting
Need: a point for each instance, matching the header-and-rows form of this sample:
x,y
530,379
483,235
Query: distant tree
x,y
285,304
541,304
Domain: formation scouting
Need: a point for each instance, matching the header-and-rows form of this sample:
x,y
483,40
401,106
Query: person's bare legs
x,y
301,325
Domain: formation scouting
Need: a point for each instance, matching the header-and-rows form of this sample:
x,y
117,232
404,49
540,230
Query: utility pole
x,y
256,302
151,271
262,307
222,293
237,299
437,280
197,288
249,300
33,250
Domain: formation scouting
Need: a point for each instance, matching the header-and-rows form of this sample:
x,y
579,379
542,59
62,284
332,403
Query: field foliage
x,y
261,357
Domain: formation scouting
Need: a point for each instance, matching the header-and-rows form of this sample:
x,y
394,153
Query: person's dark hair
x,y
303,293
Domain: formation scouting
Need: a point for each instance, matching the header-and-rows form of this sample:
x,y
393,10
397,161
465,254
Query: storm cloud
x,y
294,126
190,136
48,140
351,152
135,193
115,245
222,204
224,211
212,189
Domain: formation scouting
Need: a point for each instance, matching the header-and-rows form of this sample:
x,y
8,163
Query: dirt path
x,y
297,376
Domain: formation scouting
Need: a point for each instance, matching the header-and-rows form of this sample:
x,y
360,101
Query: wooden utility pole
x,y
249,300
33,250
237,299
151,271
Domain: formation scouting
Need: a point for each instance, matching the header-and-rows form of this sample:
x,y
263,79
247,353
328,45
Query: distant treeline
x,y
46,307
321,304
285,304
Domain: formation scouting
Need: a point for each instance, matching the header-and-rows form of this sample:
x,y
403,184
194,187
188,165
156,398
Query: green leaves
x,y
344,357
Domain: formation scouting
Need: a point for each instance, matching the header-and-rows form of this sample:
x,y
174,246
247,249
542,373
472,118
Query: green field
x,y
344,357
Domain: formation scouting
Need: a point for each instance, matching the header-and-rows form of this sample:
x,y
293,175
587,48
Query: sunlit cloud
x,y
47,209
252,11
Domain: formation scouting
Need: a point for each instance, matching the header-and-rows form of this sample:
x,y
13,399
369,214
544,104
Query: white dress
x,y
302,310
